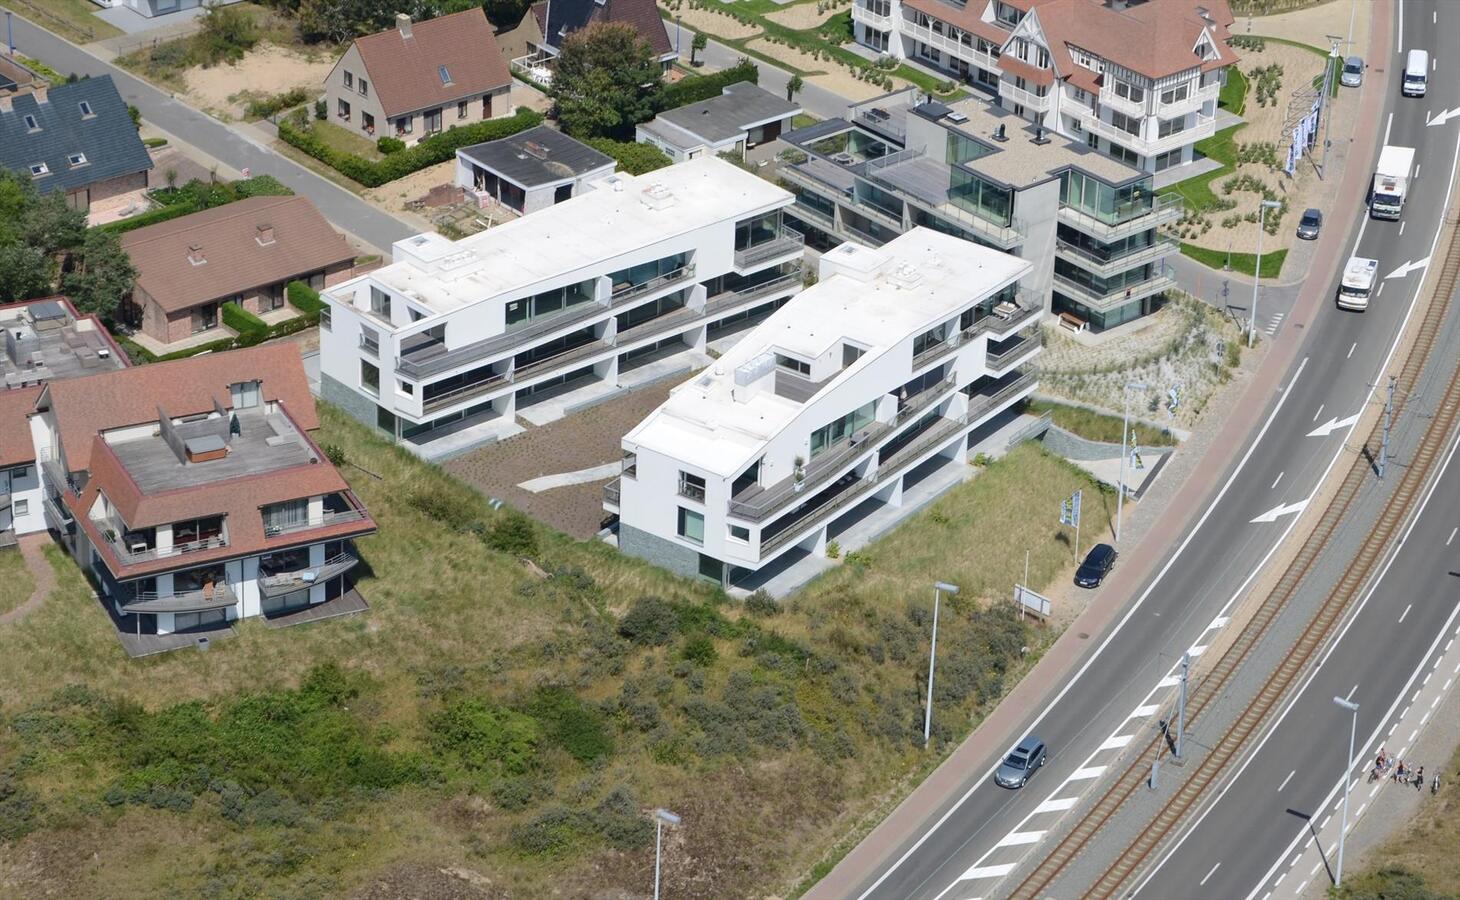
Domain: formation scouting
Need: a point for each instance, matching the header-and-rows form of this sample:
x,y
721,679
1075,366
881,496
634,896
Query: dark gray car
x,y
1022,762
1310,224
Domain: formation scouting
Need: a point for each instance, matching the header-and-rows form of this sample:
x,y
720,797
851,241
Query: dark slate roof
x,y
537,156
825,128
729,115
107,138
570,15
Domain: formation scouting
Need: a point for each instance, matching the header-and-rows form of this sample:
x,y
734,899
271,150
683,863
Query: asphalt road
x,y
1282,466
228,145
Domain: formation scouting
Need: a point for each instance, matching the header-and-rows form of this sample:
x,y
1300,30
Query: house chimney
x,y
195,254
5,104
40,93
265,235
403,24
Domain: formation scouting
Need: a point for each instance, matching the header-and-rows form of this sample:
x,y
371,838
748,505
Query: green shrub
x,y
321,110
153,143
435,149
262,109
699,650
762,604
574,727
335,454
634,158
305,299
388,145
484,738
251,329
833,550
650,622
512,533
520,792
444,505
693,90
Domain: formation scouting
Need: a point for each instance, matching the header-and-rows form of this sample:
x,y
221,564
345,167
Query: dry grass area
x,y
1423,847
268,69
807,715
802,16
832,75
15,581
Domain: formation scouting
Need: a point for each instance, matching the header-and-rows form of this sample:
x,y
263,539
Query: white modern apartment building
x,y
1136,79
883,367
575,297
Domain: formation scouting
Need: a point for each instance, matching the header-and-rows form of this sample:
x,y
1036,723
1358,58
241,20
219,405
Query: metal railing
x,y
1117,262
938,350
465,392
282,582
1125,219
324,520
883,122
572,354
692,491
114,534
730,299
1029,310
786,240
58,511
998,362
629,292
1164,278
222,595
499,344
612,492
679,318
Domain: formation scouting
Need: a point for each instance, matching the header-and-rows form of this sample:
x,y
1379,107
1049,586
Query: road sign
x,y
1028,600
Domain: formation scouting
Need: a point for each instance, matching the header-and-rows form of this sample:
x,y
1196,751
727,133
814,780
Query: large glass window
x,y
986,200
832,433
520,312
756,231
930,338
245,394
370,378
379,302
643,273
1130,92
790,363
279,517
962,148
1109,204
692,486
691,525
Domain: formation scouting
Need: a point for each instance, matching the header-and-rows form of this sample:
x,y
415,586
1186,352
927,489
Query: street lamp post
x,y
662,817
1124,436
1347,781
938,590
1257,272
677,51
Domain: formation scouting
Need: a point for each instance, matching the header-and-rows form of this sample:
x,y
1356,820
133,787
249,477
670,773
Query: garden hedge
x,y
634,158
693,90
305,299
435,149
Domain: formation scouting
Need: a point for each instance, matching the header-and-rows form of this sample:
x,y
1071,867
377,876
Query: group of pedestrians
x,y
1398,772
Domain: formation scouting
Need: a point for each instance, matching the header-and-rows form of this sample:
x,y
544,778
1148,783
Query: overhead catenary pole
x,y
1181,702
1388,420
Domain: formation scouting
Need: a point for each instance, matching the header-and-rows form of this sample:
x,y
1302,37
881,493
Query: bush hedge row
x,y
435,149
251,329
196,196
693,90
633,157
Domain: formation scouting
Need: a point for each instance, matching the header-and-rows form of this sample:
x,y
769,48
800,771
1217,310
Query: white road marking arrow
x,y
1445,116
1333,425
1408,267
1277,512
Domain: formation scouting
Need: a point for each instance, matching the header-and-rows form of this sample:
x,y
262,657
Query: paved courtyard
x,y
583,440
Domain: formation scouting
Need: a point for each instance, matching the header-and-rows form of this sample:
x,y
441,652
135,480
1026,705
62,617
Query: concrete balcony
x,y
1026,346
214,596
324,520
785,242
872,20
611,493
1108,265
1204,127
277,584
727,301
1105,301
465,392
558,360
1137,108
1125,219
1031,101
949,43
130,548
1194,102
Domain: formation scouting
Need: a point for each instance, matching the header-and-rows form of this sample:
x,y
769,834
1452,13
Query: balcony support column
x,y
607,371
892,494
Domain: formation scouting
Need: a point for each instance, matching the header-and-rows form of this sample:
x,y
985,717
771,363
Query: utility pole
x,y
1124,437
938,589
1334,59
1388,419
1181,703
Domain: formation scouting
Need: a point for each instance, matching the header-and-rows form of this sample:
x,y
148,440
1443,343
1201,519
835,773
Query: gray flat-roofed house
x,y
530,170
78,139
744,116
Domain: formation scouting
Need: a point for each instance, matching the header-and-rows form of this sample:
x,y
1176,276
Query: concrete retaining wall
x,y
656,550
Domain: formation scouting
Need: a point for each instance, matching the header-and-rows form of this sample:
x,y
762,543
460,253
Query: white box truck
x,y
1391,182
1358,283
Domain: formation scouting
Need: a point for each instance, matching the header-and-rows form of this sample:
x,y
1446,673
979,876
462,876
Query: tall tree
x,y
25,272
101,273
52,225
605,81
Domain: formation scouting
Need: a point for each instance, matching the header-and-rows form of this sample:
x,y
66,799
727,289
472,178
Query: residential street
x,y
229,145
816,100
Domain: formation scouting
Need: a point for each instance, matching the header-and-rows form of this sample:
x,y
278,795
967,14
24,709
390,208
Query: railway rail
x,y
1206,772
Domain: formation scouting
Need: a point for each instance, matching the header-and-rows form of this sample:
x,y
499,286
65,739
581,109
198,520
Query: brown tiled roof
x,y
967,17
1018,68
235,259
406,71
240,499
94,403
1155,39
571,15
15,443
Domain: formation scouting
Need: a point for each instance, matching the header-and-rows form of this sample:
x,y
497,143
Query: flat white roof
x,y
621,214
880,298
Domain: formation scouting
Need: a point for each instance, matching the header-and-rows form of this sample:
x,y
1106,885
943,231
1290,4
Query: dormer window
x,y
39,169
31,124
77,159
86,112
444,73
245,394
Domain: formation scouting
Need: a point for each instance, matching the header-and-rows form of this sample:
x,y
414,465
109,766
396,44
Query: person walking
x,y
1419,778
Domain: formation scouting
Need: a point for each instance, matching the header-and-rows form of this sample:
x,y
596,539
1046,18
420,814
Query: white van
x,y
1416,73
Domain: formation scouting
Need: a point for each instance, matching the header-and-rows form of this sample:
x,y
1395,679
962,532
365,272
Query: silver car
x,y
1353,72
1022,762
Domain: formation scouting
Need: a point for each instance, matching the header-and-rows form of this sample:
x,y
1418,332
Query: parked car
x,y
1353,72
1098,563
1022,762
1310,224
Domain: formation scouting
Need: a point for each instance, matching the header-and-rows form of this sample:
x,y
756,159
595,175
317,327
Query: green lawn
x,y
15,581
72,19
1096,426
346,140
1245,263
1233,97
484,718
1197,190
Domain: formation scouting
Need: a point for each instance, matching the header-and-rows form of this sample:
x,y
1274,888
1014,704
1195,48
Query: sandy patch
x,y
830,74
712,23
805,15
1311,25
532,98
1265,125
269,69
394,196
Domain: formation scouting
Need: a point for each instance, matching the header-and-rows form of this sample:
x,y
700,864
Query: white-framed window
x,y
370,378
326,319
740,533
370,340
364,88
86,112
39,169
1177,94
1128,91
691,525
20,507
790,363
349,79
77,159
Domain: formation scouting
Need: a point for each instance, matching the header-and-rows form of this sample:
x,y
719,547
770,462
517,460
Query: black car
x,y
1310,224
1098,563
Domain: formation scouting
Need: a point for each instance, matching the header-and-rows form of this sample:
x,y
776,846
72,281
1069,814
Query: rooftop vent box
x,y
657,196
535,149
906,276
750,375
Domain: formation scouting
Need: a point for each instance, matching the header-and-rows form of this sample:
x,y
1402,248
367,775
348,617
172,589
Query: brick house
x,y
245,252
77,138
420,78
